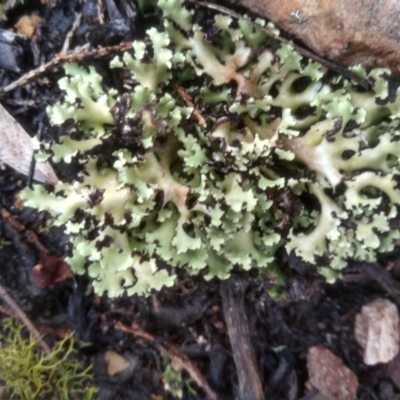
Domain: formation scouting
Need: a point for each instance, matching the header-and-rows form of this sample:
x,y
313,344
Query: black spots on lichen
x,y
128,217
372,192
190,124
205,19
337,126
144,258
107,241
78,216
300,84
120,110
244,97
223,205
191,200
304,111
92,234
285,204
108,219
89,223
286,201
347,154
189,229
68,128
274,91
128,132
95,198
350,126
393,86
225,166
273,113
348,224
321,260
159,200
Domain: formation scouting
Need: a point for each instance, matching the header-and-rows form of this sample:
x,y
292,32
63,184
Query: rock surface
x,y
377,331
365,32
329,376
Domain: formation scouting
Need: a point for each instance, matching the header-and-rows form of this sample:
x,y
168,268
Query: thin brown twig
x,y
70,34
189,102
30,235
307,53
177,357
100,14
23,318
59,59
7,312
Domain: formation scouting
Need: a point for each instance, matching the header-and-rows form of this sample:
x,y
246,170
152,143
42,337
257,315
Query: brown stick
x,y
177,357
18,227
23,318
250,384
59,59
7,312
189,102
70,34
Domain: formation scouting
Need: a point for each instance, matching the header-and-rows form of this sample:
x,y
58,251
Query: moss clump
x,y
29,374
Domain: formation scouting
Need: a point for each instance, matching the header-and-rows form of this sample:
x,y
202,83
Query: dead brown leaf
x,y
115,362
27,24
50,270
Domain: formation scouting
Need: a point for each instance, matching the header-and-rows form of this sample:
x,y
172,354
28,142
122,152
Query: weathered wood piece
x,y
365,32
16,150
250,384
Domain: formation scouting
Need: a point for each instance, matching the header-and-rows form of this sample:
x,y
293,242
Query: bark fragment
x,y
250,385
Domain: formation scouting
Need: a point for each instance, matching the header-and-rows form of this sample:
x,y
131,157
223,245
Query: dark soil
x,y
189,316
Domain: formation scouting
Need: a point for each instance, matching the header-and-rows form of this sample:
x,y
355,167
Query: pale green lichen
x,y
291,156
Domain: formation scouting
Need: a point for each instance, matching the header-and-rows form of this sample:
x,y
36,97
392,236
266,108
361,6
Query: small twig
x,y
18,227
375,272
12,221
189,102
61,333
100,14
70,34
177,357
29,180
249,377
7,312
307,53
24,319
59,59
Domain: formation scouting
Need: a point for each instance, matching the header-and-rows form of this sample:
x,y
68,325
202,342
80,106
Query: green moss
x,y
28,374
